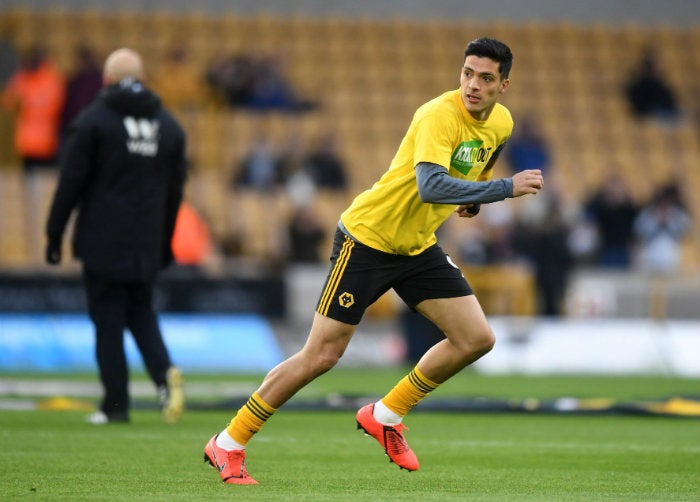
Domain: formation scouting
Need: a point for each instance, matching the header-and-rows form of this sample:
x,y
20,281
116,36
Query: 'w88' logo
x,y
143,136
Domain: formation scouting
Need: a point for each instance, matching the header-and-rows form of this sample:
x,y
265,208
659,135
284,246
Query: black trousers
x,y
113,307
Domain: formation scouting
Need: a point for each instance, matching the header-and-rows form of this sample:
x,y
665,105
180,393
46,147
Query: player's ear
x,y
504,85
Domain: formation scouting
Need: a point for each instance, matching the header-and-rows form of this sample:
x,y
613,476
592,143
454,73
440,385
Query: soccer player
x,y
386,239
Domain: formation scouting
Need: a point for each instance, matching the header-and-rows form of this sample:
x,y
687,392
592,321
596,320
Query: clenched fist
x,y
528,181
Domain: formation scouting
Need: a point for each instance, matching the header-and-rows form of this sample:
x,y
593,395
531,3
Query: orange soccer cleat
x,y
390,437
229,463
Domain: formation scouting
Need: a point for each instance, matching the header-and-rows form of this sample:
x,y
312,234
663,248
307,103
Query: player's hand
x,y
53,252
527,181
468,210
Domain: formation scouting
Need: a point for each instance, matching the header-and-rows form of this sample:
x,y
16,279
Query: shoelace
x,y
394,442
236,456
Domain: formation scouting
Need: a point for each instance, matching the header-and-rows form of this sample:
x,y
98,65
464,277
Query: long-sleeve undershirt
x,y
437,187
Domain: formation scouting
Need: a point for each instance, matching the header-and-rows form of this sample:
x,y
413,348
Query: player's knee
x,y
480,342
486,341
325,361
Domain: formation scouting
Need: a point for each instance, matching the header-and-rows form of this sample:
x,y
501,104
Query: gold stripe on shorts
x,y
336,274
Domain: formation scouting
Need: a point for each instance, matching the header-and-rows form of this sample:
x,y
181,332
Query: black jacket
x,y
124,169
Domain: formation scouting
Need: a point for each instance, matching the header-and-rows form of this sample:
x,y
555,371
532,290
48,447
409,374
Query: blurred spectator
x,y
178,84
660,229
272,89
612,211
527,147
290,160
420,334
9,57
306,234
261,168
543,237
36,92
548,249
325,166
583,241
232,78
488,240
191,242
9,62
472,248
84,83
257,83
649,95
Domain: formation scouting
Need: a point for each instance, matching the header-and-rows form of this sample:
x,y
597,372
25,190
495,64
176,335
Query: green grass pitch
x,y
319,455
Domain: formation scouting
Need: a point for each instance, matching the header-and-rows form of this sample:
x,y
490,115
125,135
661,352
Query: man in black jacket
x,y
124,171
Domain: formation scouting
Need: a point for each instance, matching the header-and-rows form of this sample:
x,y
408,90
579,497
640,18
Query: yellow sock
x,y
249,419
410,390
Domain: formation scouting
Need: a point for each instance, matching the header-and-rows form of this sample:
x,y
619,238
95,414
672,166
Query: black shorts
x,y
359,275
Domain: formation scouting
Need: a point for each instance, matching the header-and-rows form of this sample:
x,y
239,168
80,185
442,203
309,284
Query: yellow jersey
x,y
390,216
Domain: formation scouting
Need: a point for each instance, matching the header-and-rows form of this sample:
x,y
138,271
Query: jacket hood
x,y
131,97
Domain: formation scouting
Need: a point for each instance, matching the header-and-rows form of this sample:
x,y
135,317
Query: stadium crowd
x,y
299,155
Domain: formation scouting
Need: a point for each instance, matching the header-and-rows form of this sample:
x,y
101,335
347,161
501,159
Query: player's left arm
x,y
436,186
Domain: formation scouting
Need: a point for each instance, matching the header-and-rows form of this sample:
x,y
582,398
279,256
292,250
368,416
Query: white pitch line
x,y
71,388
570,446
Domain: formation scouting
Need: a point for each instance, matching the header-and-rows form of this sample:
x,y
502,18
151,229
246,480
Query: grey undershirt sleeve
x,y
437,187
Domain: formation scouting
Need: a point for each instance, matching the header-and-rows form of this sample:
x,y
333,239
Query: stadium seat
x,y
369,76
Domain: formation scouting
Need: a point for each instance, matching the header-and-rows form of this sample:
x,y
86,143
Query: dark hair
x,y
492,49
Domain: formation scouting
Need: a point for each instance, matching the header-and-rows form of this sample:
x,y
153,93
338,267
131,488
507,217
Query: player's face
x,y
481,85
